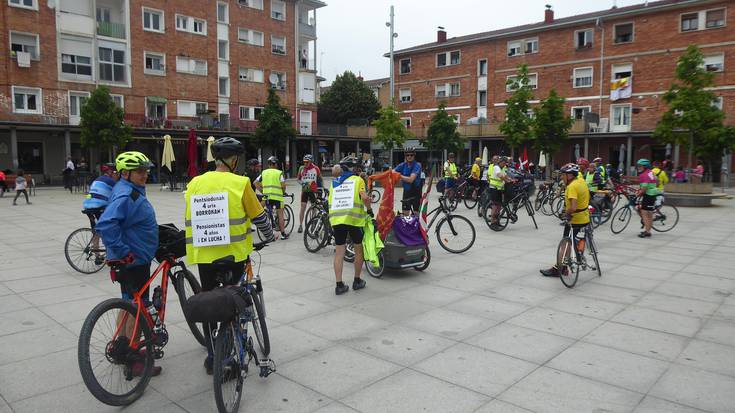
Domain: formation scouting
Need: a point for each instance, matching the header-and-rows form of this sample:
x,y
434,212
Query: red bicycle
x,y
120,338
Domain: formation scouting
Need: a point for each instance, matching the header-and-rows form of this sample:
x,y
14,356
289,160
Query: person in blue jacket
x,y
129,230
99,193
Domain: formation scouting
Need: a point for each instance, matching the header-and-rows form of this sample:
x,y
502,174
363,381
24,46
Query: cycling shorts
x,y
132,279
308,197
576,228
648,203
496,195
411,199
272,203
342,231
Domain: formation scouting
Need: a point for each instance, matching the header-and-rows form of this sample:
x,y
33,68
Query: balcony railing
x,y
307,30
116,30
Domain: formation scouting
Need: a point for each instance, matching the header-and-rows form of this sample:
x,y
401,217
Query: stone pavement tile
x,y
4,408
299,284
269,272
712,295
696,388
609,293
449,324
678,305
399,344
556,322
181,341
659,320
37,270
272,394
618,279
487,307
39,375
340,324
42,283
466,283
726,312
548,391
411,391
5,290
337,371
668,257
297,265
34,343
654,405
433,295
638,340
636,271
23,320
391,308
10,303
523,343
660,264
720,283
336,407
289,343
77,398
518,293
709,268
63,294
78,310
499,406
709,356
604,364
451,266
290,309
182,376
326,295
589,307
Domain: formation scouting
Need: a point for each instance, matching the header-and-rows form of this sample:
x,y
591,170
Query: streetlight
x,y
393,35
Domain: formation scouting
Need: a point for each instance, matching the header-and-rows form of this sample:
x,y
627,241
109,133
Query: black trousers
x,y
21,191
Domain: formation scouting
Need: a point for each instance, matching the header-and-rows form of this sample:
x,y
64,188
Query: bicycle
x,y
119,334
83,249
288,216
375,196
569,267
321,197
665,216
509,210
318,232
451,222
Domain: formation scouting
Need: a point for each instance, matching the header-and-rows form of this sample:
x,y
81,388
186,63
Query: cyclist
x,y
236,207
649,192
410,171
347,201
99,193
475,172
661,177
129,230
450,173
576,208
497,181
272,183
309,177
252,171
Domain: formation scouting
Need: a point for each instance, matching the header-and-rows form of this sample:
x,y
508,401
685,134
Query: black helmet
x,y
348,162
253,162
272,160
226,147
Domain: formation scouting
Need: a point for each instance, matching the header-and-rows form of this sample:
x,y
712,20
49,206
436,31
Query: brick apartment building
x,y
583,57
171,65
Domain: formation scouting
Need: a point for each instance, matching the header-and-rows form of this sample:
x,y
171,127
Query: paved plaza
x,y
477,332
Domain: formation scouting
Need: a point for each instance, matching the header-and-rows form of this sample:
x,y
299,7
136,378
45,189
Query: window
x,y
526,46
621,71
452,57
482,67
531,46
280,80
714,63
454,89
405,95
27,4
250,36
253,4
717,103
482,98
103,14
405,65
583,77
112,64
620,118
191,66
224,86
26,100
119,101
76,101
250,112
715,18
623,33
278,45
447,89
155,63
583,38
532,82
514,48
278,10
182,23
25,42
579,112
153,20
251,75
689,22
76,65
440,91
223,50
188,109
406,122
223,15
200,26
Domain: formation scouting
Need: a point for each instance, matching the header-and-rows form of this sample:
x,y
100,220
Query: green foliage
x,y
348,101
442,134
551,124
274,124
691,118
517,124
102,125
390,130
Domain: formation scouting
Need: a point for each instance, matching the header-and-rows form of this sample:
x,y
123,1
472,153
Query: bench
x,y
690,194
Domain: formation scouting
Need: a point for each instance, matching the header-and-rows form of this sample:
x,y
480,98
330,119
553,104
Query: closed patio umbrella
x,y
541,159
210,158
192,171
484,155
168,153
621,159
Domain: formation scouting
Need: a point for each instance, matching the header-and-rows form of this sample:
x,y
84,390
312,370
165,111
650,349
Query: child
x,y
20,187
679,176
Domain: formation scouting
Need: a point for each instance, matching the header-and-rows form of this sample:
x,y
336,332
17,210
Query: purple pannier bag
x,y
407,231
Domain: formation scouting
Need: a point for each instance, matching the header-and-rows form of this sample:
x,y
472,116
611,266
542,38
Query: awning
x,y
156,99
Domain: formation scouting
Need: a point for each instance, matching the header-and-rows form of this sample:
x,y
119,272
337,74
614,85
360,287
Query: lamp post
x,y
393,35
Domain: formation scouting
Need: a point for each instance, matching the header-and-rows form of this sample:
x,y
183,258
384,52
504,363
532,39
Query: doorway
x,y
30,157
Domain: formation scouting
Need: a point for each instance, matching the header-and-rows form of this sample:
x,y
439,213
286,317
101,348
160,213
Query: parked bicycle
x,y
84,249
665,216
571,255
509,210
455,233
288,216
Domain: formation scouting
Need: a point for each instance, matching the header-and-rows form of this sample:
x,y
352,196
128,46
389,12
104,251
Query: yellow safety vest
x,y
452,171
661,178
495,182
241,240
271,180
354,216
589,179
490,167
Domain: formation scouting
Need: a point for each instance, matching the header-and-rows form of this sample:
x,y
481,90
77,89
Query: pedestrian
x,y
679,175
20,187
68,174
3,185
697,173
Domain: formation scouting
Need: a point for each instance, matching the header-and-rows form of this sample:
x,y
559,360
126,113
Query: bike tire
x,y
451,221
375,196
114,306
668,213
531,213
376,271
314,234
538,201
568,273
227,363
547,206
260,327
427,260
593,251
620,220
182,280
558,208
311,212
288,219
79,253
470,201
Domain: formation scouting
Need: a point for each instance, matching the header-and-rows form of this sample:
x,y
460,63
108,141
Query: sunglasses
x,y
410,154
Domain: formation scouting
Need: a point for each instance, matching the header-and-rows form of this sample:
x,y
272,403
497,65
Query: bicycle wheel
x,y
558,208
566,263
288,219
593,252
455,233
186,286
375,196
260,328
427,260
470,198
376,270
539,201
665,218
227,368
311,212
315,234
620,219
81,253
547,206
113,372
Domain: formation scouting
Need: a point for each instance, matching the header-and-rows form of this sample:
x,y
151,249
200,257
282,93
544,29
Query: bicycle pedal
x,y
157,354
267,367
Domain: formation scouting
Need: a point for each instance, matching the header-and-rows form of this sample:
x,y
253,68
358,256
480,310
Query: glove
x,y
128,259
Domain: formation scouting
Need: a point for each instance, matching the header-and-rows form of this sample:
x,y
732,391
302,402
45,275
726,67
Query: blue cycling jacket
x,y
129,224
99,193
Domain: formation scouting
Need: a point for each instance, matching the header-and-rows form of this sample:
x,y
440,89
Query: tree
x,y
691,119
390,130
550,126
102,122
274,124
442,134
348,101
517,124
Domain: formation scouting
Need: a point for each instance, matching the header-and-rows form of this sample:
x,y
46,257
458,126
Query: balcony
x,y
108,29
307,29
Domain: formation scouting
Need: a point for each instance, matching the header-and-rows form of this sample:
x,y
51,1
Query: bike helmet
x,y
409,150
583,162
132,160
597,160
272,160
644,162
451,155
348,162
108,167
309,158
253,162
570,168
503,159
227,147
